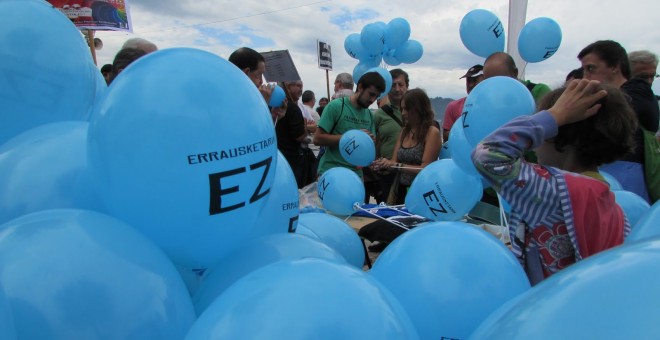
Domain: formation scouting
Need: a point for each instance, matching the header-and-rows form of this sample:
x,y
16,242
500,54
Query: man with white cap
x,y
454,110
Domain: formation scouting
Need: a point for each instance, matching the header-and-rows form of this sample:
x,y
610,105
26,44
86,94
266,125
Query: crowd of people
x,y
546,166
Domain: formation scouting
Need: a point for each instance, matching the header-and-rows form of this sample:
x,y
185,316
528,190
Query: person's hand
x,y
373,138
278,112
578,102
266,91
311,125
381,165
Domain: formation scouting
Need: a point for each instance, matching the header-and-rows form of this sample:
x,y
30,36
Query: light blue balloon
x,y
482,32
357,148
7,330
76,274
648,226
373,38
612,294
397,32
491,104
360,69
632,204
256,254
280,212
186,159
386,76
302,230
339,190
45,69
461,153
353,46
461,150
390,59
99,90
372,60
277,97
445,151
449,276
46,167
191,277
539,39
304,299
337,234
443,192
409,52
611,180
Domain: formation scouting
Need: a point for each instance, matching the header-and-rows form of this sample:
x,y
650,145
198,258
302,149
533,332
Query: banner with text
x,y
280,67
96,14
325,56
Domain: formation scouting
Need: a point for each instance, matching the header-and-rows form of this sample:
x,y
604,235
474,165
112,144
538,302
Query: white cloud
x,y
296,25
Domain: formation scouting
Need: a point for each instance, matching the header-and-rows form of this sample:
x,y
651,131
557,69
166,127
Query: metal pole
x,y
327,83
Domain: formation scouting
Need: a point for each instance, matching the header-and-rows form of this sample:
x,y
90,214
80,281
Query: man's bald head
x,y
500,64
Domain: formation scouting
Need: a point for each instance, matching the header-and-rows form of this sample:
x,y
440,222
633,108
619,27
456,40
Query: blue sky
x,y
222,26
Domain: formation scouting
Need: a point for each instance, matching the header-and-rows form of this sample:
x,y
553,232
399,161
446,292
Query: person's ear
x,y
246,70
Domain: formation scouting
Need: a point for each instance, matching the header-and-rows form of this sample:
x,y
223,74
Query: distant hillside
x,y
439,105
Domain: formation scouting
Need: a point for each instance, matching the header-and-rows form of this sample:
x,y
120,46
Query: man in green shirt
x,y
344,114
388,119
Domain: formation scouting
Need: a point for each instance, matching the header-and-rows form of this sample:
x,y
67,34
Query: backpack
x,y
652,164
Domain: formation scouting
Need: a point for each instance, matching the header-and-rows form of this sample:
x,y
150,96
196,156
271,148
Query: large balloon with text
x,y
357,148
443,192
611,295
46,168
173,158
491,104
45,66
279,214
353,46
76,274
539,40
482,32
449,276
373,37
304,299
339,190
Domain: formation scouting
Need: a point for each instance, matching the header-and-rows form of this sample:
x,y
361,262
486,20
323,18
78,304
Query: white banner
x,y
517,15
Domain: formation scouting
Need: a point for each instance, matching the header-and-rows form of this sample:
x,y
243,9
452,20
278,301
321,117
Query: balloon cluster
x,y
483,34
158,219
380,42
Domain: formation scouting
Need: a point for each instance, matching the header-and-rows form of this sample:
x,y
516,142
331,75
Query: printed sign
x,y
280,67
325,56
96,14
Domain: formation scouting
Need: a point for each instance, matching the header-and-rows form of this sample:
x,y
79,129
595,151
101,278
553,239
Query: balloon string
x,y
405,167
382,205
503,220
396,223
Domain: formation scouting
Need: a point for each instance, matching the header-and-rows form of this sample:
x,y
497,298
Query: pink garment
x,y
453,111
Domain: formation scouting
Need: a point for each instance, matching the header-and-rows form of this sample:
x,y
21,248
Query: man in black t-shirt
x,y
292,136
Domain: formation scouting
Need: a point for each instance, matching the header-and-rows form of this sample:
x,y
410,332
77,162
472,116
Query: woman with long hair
x,y
417,146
